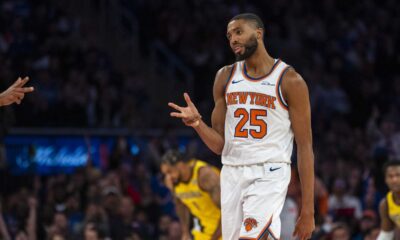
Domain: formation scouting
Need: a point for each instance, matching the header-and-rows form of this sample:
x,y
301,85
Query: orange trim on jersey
x,y
230,77
265,229
277,85
251,79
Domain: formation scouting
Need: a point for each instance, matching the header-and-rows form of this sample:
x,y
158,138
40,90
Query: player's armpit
x,y
386,224
209,182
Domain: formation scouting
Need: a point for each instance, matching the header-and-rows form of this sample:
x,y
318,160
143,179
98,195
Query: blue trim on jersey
x,y
269,234
258,78
279,87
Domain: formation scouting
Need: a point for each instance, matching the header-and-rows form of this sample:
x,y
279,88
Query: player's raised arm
x,y
15,93
387,226
295,92
213,136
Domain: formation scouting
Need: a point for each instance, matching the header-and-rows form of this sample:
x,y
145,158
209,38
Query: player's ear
x,y
259,33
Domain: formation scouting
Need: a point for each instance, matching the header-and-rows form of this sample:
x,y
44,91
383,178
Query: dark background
x,y
104,71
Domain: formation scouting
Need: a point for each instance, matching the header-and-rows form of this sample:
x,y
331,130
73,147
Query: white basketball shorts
x,y
252,198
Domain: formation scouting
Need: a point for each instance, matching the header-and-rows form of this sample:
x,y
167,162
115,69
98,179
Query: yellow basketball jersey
x,y
207,214
393,209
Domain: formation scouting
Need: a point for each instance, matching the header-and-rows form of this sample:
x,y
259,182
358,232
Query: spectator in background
x,y
59,226
163,225
367,223
95,213
94,231
343,206
121,225
120,154
372,234
340,232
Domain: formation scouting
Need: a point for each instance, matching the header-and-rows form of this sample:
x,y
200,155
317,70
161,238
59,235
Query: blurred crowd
x,y
128,201
345,50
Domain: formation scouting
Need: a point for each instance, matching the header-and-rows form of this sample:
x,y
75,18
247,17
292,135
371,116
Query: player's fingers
x,y
174,106
16,83
17,95
23,81
25,89
16,99
305,236
187,99
177,115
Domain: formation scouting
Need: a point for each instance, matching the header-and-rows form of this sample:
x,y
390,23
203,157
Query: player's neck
x,y
396,197
188,173
260,62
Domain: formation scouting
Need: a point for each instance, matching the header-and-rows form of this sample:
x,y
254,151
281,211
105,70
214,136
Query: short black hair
x,y
172,157
251,17
391,163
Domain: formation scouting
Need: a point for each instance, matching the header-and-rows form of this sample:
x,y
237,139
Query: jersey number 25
x,y
242,132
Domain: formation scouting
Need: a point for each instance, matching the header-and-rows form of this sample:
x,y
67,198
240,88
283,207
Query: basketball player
x,y
15,93
261,104
196,188
389,207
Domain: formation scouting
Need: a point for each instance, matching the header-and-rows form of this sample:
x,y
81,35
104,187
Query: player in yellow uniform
x,y
389,208
196,188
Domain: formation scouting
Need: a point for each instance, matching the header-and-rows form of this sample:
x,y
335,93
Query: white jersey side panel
x,y
257,124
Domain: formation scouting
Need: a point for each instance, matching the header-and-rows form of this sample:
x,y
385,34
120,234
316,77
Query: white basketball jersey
x,y
257,124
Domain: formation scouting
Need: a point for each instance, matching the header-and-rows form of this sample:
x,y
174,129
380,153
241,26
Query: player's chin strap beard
x,y
249,49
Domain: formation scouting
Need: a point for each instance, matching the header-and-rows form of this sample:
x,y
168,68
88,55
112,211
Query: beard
x,y
249,48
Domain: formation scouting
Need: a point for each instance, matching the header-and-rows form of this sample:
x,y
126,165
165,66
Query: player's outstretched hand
x,y
15,93
304,227
189,115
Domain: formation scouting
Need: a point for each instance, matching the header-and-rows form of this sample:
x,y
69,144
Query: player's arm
x,y
209,182
387,226
213,136
295,92
15,93
184,217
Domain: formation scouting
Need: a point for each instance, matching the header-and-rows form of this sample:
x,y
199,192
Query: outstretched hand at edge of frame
x,y
16,92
